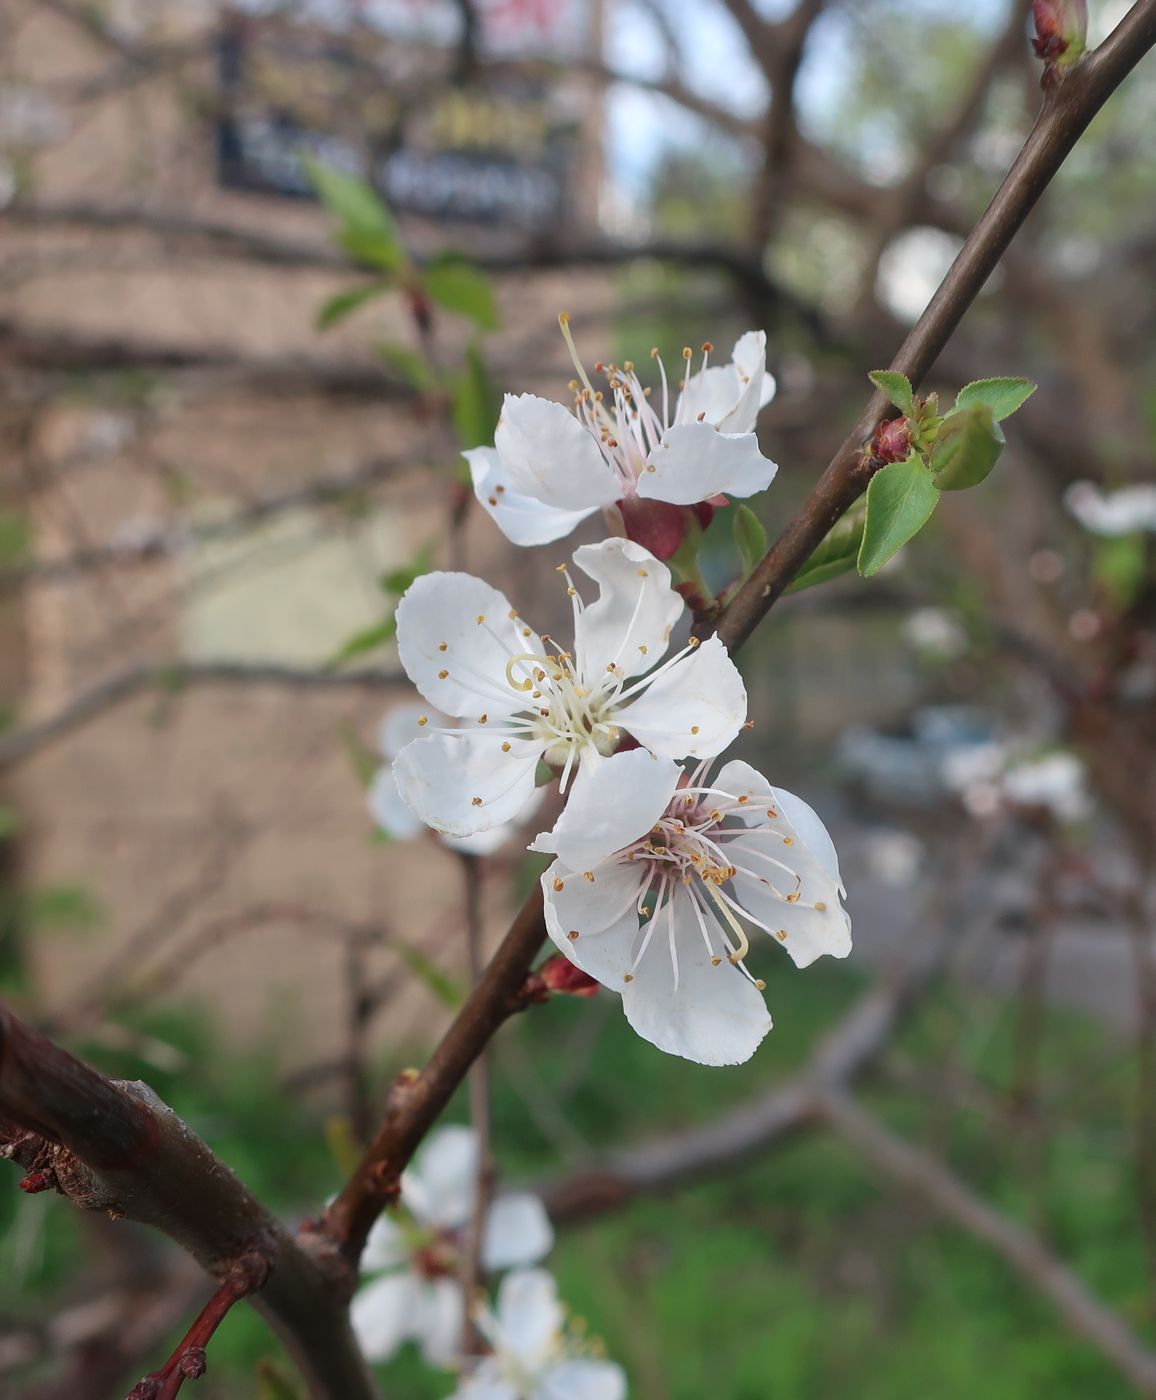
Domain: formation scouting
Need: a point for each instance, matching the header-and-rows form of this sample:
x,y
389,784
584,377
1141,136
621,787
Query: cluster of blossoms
x,y
663,873
415,1254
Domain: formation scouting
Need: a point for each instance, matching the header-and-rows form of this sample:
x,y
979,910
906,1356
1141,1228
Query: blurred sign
x,y
371,95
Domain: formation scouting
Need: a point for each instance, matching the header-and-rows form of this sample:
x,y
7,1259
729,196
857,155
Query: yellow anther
x,y
443,646
572,935
694,728
559,885
481,617
643,648
442,675
781,935
483,719
715,962
506,747
743,799
475,801
760,985
788,840
707,347
643,574
821,906
588,875
422,720
629,977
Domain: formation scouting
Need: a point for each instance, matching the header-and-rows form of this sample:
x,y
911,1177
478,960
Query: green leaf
x,y
344,303
368,230
273,1384
62,906
369,639
900,499
409,364
750,536
459,286
898,389
835,555
1002,396
9,822
1119,566
362,759
966,448
443,986
475,402
396,582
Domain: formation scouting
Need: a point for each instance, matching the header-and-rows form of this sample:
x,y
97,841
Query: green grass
x,y
800,1274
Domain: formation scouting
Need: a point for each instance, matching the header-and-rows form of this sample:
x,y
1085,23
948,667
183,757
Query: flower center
x,y
626,426
568,715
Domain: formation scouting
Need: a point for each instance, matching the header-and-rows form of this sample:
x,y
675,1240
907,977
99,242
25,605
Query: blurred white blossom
x,y
1122,512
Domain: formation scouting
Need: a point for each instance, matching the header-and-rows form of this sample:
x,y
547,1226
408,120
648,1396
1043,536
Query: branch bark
x,y
114,1147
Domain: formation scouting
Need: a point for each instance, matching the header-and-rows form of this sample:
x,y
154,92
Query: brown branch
x,y
1084,1313
188,1362
418,1099
1067,110
479,1089
20,744
114,1147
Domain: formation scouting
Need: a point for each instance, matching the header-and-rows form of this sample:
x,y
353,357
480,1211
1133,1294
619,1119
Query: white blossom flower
x,y
696,860
936,632
391,813
416,1251
535,1356
1055,782
1122,512
550,468
469,652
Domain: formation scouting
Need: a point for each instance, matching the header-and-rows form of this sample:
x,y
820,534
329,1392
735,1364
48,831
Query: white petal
x,y
441,776
712,392
443,609
630,623
385,1248
400,725
694,462
518,1232
750,358
582,1380
387,808
439,1188
547,454
383,1313
605,952
810,855
485,843
529,1314
485,1384
715,1016
703,692
589,906
611,805
522,519
438,1323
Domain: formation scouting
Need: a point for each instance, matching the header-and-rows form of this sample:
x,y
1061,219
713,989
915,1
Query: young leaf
x,y
411,365
897,387
272,1383
750,536
835,555
369,639
368,231
443,986
344,303
900,499
475,402
966,448
398,580
1002,396
458,286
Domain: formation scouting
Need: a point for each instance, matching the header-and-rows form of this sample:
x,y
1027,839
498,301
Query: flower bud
x,y
1061,30
659,526
892,441
564,979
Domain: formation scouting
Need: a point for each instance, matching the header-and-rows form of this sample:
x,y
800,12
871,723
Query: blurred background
x,y
230,421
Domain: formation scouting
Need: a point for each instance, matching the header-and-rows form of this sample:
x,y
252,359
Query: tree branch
x,y
114,1147
418,1099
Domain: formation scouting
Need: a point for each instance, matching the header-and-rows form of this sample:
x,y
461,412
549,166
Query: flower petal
x,y
695,461
485,1384
750,359
715,1016
383,1313
631,621
485,843
605,952
439,1188
385,1248
697,707
438,632
438,1322
713,392
518,1232
611,805
548,455
462,785
522,519
529,1315
387,808
804,846
400,724
582,1380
